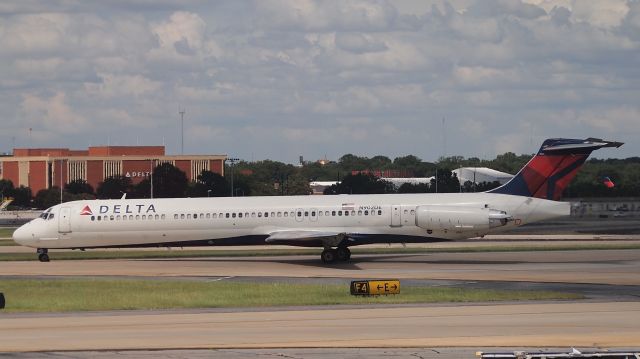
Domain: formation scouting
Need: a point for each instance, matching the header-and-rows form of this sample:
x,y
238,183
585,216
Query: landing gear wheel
x,y
328,256
344,254
42,254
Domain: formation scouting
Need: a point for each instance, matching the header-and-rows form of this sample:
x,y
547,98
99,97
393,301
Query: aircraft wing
x,y
301,235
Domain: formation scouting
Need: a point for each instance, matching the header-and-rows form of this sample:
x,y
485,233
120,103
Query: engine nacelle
x,y
459,218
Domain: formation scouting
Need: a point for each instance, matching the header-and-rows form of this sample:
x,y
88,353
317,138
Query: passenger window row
x,y
279,214
130,217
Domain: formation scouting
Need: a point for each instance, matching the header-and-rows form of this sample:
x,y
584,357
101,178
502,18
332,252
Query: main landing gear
x,y
330,255
43,255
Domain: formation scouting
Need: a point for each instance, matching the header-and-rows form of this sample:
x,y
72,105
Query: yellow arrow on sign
x,y
375,287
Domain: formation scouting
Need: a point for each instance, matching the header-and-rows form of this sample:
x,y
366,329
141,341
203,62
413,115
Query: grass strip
x,y
63,295
7,242
179,253
6,232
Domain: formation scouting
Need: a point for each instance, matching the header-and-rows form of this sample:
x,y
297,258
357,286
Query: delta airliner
x,y
334,223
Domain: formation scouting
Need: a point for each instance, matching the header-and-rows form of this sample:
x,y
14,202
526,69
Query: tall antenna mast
x,y
444,139
181,112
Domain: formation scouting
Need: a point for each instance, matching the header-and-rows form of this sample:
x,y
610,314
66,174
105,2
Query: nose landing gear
x,y
43,255
330,255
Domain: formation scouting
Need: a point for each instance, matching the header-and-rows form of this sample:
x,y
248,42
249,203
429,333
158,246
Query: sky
x,y
279,79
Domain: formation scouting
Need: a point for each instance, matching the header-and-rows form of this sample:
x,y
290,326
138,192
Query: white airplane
x,y
332,222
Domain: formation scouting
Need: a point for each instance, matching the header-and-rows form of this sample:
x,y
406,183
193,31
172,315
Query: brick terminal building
x,y
43,168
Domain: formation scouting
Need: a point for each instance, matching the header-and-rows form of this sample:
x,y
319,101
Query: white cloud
x,y
51,114
34,34
274,77
122,86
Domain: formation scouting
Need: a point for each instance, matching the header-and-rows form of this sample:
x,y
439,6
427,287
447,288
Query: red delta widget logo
x,y
86,211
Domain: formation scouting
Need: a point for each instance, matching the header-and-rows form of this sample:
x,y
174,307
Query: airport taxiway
x,y
539,324
620,267
603,321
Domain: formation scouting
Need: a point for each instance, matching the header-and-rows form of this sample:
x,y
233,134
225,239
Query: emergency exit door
x,y
396,216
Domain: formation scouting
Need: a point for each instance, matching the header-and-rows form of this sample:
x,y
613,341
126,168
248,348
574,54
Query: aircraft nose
x,y
23,236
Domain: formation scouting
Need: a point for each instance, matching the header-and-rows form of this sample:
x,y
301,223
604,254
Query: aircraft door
x,y
64,220
396,216
299,214
314,215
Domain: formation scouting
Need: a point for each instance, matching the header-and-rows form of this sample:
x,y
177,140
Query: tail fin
x,y
549,172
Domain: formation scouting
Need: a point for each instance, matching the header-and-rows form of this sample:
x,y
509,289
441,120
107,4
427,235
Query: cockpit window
x,y
46,215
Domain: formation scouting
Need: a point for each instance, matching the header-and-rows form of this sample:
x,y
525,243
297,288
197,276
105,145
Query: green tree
x,y
413,188
169,181
209,184
22,197
114,187
6,188
298,185
447,182
78,186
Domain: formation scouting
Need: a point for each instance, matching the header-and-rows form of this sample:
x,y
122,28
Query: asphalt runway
x,y
610,318
619,267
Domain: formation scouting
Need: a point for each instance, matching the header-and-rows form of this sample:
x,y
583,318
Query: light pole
x,y
208,193
60,180
232,161
151,174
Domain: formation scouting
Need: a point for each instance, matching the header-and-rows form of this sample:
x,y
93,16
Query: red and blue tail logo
x,y
608,182
551,170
